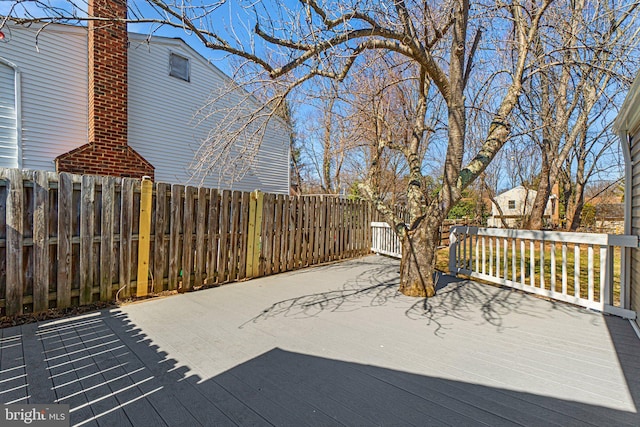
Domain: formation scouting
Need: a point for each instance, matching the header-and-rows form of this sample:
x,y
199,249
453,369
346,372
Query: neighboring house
x,y
103,101
627,126
516,204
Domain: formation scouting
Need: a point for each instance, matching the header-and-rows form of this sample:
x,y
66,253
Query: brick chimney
x,y
107,152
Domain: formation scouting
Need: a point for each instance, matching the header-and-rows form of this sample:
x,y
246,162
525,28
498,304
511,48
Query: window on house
x,y
9,126
179,67
512,204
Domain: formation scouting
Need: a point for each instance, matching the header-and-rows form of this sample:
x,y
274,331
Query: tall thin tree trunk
x,y
573,221
534,221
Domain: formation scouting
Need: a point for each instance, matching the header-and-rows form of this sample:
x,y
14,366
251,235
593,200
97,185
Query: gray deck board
x,y
13,383
334,345
180,403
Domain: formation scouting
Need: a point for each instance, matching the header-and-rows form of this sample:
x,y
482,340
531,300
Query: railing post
x,y
453,250
606,272
624,278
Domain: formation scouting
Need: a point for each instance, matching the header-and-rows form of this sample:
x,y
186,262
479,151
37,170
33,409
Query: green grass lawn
x,y
583,281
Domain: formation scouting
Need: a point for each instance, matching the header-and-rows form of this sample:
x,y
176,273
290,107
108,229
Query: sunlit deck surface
x,y
331,345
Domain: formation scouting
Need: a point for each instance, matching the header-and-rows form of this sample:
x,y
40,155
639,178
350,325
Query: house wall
x,y
524,200
635,222
627,126
54,73
53,90
519,194
164,108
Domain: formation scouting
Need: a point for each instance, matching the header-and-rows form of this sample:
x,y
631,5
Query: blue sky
x,y
231,18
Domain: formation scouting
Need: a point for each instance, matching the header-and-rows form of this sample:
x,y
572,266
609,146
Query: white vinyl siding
x,y
9,153
162,127
53,90
161,108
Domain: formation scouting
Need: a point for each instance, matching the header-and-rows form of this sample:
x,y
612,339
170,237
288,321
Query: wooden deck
x,y
331,345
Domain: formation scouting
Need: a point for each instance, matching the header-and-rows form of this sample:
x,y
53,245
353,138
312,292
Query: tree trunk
x,y
574,223
536,219
574,209
535,216
417,267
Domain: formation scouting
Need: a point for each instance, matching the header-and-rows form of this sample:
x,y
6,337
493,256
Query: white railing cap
x,y
552,236
380,224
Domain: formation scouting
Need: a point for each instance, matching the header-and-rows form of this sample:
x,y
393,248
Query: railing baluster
x,y
513,260
522,262
541,264
532,263
458,250
498,244
470,251
564,269
491,256
464,250
505,264
606,284
590,272
477,250
484,256
576,271
553,266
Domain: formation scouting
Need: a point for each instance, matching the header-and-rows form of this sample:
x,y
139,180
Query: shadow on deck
x,y
307,349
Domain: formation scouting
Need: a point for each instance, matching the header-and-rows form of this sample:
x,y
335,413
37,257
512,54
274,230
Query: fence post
x,y
254,233
453,251
146,190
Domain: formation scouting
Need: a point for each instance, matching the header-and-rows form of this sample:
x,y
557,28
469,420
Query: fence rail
x,y
68,240
546,263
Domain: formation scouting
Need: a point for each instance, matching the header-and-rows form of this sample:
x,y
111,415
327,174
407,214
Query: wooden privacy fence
x,y
69,240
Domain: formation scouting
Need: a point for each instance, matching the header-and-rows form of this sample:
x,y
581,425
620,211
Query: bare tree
x,y
591,156
582,60
326,137
446,44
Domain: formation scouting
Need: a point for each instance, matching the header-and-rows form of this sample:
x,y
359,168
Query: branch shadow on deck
x,y
378,285
111,373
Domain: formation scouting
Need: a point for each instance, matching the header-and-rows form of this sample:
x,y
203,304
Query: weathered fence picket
x,y
41,241
64,279
160,226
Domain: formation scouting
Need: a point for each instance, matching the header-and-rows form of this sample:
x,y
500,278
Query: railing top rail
x,y
379,224
552,236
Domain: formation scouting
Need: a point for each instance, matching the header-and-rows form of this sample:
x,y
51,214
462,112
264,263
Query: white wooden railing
x,y
547,263
384,240
517,258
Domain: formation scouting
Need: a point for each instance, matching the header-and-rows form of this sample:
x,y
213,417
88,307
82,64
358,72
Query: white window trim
x,y
18,107
186,58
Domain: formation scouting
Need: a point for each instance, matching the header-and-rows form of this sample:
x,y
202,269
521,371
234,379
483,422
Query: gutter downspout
x,y
625,267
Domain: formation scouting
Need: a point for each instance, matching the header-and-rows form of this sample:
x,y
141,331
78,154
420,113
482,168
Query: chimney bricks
x,y
108,89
